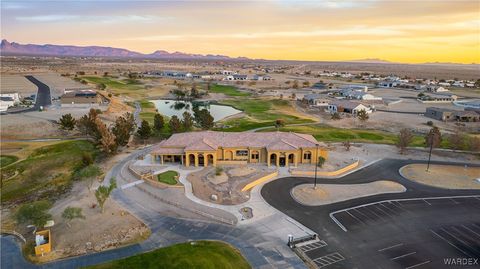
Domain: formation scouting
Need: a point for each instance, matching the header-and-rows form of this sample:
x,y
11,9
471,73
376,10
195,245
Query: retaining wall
x,y
325,173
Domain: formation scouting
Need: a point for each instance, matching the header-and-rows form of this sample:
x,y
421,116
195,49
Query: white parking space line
x,y
465,244
328,259
355,217
313,246
387,209
450,243
382,210
472,231
390,247
396,203
418,264
404,255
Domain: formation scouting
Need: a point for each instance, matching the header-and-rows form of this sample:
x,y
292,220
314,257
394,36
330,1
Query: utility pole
x,y
316,164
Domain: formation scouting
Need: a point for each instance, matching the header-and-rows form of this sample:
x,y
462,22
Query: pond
x,y
174,107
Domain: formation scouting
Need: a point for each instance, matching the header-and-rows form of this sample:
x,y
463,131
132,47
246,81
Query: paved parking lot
x,y
425,227
384,211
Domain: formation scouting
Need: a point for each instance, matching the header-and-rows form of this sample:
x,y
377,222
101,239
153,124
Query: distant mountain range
x,y
13,48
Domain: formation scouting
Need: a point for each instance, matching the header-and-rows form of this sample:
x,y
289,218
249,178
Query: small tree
x,y
107,141
187,121
87,158
347,145
336,116
71,213
194,93
433,138
101,86
158,122
175,124
404,139
103,193
218,170
203,118
321,161
457,140
295,84
144,131
35,213
123,128
67,122
474,144
362,115
279,123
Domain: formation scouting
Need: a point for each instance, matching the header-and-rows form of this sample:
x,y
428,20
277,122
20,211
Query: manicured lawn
x,y
146,104
195,255
260,113
168,177
332,134
7,159
115,84
227,90
46,172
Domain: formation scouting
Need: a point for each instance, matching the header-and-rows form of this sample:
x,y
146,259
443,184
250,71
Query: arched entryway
x,y
201,160
282,160
191,159
209,160
291,159
273,159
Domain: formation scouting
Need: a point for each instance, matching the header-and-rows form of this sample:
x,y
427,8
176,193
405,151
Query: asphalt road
x,y
408,234
43,95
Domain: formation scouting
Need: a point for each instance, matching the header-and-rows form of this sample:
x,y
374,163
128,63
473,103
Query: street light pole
x,y
430,154
316,164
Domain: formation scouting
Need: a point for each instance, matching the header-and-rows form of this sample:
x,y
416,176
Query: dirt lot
x,y
117,228
37,124
444,176
227,186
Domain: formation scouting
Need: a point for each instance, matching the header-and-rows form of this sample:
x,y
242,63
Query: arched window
x,y
307,155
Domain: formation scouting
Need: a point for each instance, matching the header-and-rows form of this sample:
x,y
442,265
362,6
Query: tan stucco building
x,y
212,148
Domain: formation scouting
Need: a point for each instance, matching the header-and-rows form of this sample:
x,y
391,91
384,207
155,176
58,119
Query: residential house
x,y
236,77
438,98
387,84
466,116
315,99
436,89
81,98
437,113
445,114
347,107
262,77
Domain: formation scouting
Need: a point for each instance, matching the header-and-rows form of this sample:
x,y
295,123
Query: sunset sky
x,y
400,31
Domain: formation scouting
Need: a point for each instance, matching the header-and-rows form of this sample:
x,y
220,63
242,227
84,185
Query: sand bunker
x,y
443,176
333,193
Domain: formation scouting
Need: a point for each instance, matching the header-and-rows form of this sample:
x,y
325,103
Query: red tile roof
x,y
210,140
